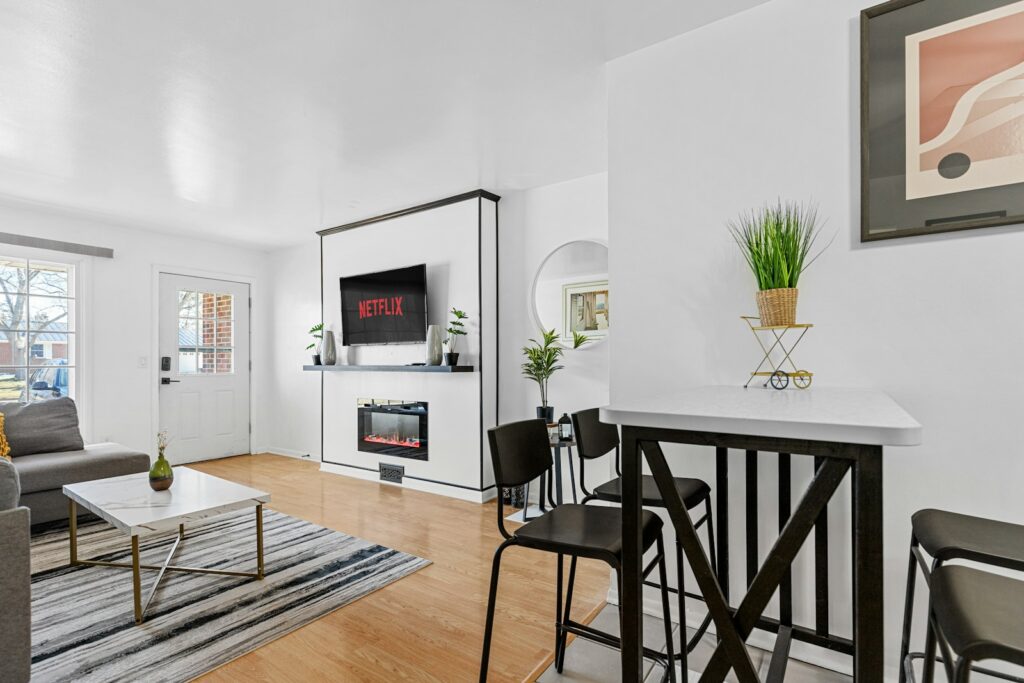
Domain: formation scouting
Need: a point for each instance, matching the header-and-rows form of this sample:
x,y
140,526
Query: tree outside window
x,y
37,330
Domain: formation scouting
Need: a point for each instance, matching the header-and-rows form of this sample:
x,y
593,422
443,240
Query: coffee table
x,y
129,504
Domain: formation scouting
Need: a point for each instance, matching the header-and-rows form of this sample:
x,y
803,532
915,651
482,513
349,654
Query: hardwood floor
x,y
428,626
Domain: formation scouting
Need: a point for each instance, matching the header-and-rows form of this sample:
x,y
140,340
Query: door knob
x,y
168,380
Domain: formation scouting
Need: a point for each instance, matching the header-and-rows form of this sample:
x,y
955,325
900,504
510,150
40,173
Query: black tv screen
x,y
388,307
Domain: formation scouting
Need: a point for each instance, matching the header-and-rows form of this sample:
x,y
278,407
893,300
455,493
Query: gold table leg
x,y
136,580
259,541
73,530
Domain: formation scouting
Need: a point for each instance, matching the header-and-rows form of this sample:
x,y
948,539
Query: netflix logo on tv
x,y
387,307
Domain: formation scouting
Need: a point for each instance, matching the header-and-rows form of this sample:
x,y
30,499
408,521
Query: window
x,y
37,330
205,333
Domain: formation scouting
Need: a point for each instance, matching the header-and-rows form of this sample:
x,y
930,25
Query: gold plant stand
x,y
774,337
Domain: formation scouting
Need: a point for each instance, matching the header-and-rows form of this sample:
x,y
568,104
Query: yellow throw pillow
x,y
5,448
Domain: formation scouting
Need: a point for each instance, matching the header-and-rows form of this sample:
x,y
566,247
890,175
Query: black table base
x,y
734,624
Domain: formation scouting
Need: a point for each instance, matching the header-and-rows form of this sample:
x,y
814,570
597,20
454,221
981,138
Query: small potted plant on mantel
x,y
542,359
317,332
456,329
777,241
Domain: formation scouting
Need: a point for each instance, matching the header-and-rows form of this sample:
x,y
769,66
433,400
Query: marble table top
x,y
128,503
859,416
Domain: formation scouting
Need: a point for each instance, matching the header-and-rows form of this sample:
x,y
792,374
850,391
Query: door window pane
x,y
205,333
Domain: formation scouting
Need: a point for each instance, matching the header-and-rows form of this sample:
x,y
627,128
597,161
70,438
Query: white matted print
x,y
965,104
585,309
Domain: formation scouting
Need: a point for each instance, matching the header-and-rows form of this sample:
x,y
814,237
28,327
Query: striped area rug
x,y
83,628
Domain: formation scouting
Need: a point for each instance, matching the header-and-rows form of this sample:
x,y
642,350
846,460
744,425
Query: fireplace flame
x,y
393,440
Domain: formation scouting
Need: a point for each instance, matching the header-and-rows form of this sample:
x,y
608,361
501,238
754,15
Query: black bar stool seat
x,y
692,491
979,614
584,531
953,536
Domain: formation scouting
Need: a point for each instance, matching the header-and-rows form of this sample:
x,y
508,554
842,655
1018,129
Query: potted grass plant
x,y
542,361
778,243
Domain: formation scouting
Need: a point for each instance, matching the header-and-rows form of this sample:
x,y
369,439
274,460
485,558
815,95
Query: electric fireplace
x,y
390,427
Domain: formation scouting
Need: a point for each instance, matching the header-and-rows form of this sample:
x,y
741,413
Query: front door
x,y
204,367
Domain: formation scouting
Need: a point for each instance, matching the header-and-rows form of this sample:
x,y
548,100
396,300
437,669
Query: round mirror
x,y
570,291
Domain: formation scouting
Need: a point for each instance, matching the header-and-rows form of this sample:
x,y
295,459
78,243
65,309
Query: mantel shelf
x,y
389,368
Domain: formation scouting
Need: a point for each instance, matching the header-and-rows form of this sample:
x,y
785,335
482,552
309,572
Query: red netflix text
x,y
372,308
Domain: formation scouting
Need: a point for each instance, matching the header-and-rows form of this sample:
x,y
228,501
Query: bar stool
x,y
595,439
979,615
949,536
520,452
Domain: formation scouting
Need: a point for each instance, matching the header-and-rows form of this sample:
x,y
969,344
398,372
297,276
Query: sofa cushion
x,y
42,427
45,471
10,490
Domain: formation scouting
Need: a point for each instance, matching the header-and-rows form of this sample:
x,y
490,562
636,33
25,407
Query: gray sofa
x,y
15,586
48,452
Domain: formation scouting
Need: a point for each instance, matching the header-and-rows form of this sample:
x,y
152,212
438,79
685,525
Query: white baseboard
x,y
414,484
288,452
826,659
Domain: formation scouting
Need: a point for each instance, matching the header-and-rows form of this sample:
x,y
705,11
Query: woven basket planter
x,y
777,306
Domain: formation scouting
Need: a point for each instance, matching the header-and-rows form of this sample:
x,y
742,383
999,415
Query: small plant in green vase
x,y
456,329
317,332
542,361
161,475
777,242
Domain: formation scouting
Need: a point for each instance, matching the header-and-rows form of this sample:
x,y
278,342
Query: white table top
x,y
132,506
859,416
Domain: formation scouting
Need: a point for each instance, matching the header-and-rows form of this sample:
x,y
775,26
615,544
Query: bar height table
x,y
843,429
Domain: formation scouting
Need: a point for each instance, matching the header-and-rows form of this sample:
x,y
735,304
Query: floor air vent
x,y
392,473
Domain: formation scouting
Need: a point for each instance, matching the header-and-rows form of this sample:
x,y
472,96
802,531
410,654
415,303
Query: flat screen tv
x,y
387,307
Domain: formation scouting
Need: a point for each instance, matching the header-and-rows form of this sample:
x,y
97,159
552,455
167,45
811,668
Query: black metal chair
x,y
979,615
520,451
595,439
949,536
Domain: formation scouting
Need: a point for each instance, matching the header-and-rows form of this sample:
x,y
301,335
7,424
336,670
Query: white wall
x,y
121,320
293,404
533,223
761,105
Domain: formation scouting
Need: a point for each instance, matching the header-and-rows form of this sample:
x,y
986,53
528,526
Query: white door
x,y
204,367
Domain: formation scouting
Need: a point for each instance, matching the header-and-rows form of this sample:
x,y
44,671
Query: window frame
x,y
84,360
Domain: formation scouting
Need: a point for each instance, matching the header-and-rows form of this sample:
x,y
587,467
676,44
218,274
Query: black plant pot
x,y
316,359
547,413
451,359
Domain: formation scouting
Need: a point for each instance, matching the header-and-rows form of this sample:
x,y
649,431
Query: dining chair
x,y
595,439
520,452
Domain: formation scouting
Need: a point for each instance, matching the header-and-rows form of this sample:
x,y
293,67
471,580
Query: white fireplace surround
x,y
457,240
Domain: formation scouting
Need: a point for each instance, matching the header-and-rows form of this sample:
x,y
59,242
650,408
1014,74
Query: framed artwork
x,y
585,309
942,116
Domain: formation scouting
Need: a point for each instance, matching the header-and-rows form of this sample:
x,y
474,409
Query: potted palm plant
x,y
542,361
777,242
317,332
456,329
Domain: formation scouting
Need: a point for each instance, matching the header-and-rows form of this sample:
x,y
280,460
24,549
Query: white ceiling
x,y
261,121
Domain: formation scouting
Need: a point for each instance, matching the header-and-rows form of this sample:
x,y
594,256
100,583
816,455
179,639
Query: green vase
x,y
161,476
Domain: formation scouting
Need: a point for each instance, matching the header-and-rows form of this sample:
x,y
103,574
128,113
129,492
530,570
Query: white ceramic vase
x,y
329,354
434,343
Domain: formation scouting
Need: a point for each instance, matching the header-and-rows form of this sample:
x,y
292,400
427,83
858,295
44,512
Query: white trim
x,y
288,453
415,484
154,365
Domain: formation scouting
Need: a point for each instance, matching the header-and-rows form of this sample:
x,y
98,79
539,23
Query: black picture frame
x,y
966,210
